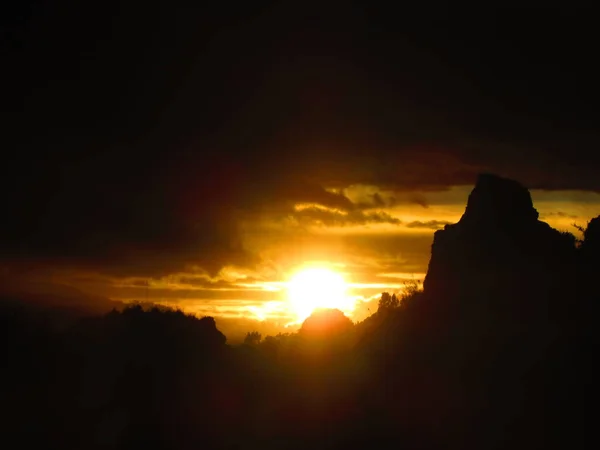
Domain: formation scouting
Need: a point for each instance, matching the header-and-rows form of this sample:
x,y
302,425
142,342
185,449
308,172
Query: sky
x,y
200,157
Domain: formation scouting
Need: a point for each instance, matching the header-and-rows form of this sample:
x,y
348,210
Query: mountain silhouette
x,y
497,245
507,296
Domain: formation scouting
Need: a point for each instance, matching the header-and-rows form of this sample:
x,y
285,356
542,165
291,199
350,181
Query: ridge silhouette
x,y
496,351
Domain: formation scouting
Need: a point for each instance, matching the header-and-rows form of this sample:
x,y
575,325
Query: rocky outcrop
x,y
508,301
590,246
503,335
498,250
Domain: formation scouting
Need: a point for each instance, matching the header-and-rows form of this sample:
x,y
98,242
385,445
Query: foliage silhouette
x,y
252,338
387,302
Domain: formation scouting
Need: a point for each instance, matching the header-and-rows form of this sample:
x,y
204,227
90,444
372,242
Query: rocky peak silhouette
x,y
498,250
589,264
591,241
499,200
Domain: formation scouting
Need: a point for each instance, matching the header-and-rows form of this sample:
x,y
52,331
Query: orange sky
x,y
376,251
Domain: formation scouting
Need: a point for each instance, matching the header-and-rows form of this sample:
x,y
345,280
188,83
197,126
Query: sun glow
x,y
318,288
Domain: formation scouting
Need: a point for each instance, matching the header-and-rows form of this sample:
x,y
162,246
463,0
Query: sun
x,y
317,288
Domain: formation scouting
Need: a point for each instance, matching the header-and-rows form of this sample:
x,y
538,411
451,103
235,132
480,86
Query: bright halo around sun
x,y
314,288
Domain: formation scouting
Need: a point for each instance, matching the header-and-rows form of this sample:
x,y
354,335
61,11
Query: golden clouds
x,y
376,238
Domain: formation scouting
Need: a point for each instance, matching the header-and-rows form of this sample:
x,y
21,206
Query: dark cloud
x,y
203,282
430,224
560,214
236,296
137,147
319,216
287,193
419,199
376,201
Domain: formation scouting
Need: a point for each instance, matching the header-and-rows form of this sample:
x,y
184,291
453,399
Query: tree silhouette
x,y
252,338
387,302
412,292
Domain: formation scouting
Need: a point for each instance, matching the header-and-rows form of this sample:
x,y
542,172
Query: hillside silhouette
x,y
496,351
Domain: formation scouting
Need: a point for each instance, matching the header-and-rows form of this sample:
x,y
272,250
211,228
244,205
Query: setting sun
x,y
317,288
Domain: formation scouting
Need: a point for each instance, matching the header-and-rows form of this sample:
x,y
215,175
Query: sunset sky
x,y
201,158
